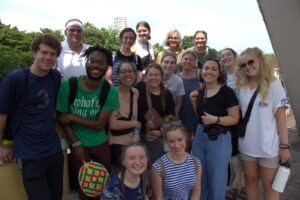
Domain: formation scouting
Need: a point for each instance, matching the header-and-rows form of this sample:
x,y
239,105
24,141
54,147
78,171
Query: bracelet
x,y
76,144
218,120
284,146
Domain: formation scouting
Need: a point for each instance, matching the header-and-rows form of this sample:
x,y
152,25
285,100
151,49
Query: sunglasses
x,y
249,62
171,125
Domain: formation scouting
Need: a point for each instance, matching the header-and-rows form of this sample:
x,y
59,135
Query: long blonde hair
x,y
266,72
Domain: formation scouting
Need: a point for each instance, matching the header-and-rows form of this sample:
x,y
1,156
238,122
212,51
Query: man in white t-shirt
x,y
71,62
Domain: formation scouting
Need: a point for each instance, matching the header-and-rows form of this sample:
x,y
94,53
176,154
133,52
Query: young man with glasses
x,y
84,119
70,62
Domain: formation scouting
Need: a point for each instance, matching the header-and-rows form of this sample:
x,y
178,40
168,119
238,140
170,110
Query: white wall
x,y
282,19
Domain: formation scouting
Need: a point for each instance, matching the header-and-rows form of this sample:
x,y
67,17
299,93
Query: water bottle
x,y
135,135
281,177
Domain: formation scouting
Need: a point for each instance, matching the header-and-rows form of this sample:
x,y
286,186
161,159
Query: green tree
x,y
187,41
56,33
107,38
157,48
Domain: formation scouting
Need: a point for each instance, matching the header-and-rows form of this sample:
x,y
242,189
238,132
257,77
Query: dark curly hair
x,y
100,49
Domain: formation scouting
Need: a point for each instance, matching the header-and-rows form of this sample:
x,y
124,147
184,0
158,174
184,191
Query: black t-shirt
x,y
131,58
217,105
156,104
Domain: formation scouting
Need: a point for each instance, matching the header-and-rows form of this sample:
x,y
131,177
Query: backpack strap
x,y
104,93
162,170
72,89
56,77
195,163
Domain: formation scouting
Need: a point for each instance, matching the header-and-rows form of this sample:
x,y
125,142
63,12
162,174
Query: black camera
x,y
213,133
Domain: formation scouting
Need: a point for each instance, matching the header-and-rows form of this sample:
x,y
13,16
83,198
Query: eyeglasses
x,y
171,125
75,31
128,71
95,62
249,62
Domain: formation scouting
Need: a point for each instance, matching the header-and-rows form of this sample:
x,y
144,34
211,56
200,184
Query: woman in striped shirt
x,y
177,174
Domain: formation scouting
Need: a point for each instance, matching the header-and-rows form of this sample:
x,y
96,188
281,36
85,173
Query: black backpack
x,y
73,87
22,81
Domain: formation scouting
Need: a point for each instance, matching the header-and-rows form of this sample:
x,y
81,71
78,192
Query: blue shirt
x,y
29,102
179,179
113,191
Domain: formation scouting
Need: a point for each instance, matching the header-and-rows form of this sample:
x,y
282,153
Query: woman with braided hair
x,y
153,96
129,184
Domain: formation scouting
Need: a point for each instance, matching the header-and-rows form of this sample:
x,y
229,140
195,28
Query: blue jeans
x,y
214,156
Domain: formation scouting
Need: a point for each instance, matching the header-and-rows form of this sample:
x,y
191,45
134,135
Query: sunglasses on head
x,y
249,62
172,125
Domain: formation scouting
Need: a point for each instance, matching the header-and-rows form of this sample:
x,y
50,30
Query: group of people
x,y
103,104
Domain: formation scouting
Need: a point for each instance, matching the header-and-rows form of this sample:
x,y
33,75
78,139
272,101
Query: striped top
x,y
179,179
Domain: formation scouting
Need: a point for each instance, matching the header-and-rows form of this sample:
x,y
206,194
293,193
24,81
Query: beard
x,y
95,78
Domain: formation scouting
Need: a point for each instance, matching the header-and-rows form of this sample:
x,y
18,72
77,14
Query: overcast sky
x,y
229,23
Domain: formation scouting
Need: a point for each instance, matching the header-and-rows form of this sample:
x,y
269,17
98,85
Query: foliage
x,y
108,38
57,33
187,42
271,60
157,48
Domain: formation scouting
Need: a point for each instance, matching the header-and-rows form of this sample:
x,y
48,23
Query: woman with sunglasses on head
x,y
130,183
71,61
217,108
265,143
173,42
123,122
177,174
127,39
143,46
162,102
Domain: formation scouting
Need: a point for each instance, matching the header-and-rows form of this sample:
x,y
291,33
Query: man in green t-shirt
x,y
83,119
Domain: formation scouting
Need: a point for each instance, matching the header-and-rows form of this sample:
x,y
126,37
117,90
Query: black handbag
x,y
240,128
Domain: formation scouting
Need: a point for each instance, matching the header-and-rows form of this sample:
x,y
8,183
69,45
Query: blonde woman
x,y
266,140
177,174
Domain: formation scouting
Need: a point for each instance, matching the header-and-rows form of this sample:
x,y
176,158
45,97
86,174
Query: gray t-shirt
x,y
175,85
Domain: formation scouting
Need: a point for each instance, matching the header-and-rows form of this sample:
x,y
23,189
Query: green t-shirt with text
x,y
86,105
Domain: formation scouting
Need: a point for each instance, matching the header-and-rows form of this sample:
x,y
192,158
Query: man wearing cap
x,y
71,62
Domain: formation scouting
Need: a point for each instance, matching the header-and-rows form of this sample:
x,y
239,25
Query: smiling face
x,y
135,160
96,65
128,40
143,33
154,77
74,34
228,59
250,66
174,40
126,74
188,61
200,40
44,59
168,65
176,140
210,72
